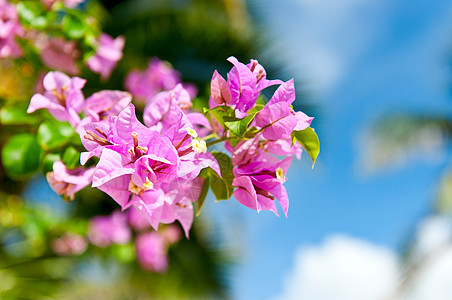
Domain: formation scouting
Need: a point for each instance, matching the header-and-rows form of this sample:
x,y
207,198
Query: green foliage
x,y
33,14
219,113
73,26
16,115
47,162
53,134
71,158
310,142
222,186
205,189
21,155
124,253
238,126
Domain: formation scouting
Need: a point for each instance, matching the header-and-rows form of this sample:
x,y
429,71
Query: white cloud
x,y
342,268
433,281
433,234
348,268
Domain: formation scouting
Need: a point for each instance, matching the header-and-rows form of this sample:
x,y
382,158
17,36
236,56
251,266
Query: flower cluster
x,y
10,29
57,50
161,167
159,76
150,246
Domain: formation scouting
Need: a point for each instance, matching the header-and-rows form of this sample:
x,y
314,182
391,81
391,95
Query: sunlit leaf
x,y
222,186
21,155
53,134
73,26
15,115
238,126
47,162
71,158
32,13
205,189
310,142
220,112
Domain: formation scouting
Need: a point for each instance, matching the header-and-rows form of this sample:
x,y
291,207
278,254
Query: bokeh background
x,y
373,219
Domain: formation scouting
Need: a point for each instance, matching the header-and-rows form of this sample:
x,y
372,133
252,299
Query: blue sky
x,y
359,60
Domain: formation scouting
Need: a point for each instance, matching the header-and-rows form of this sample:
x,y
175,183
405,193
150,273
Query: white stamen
x,y
191,132
148,185
199,146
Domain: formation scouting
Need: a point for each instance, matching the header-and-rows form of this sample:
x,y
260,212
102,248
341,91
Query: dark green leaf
x,y
220,112
16,115
205,189
54,134
73,26
32,13
124,253
71,158
47,164
238,126
21,155
256,108
222,186
310,142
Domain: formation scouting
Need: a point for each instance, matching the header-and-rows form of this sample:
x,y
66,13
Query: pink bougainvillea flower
x,y
136,219
246,82
145,156
151,251
68,182
245,151
58,54
277,118
258,183
171,234
283,147
10,29
123,133
106,230
102,104
70,244
219,89
160,111
200,123
63,97
242,83
158,77
158,164
107,55
154,172
172,202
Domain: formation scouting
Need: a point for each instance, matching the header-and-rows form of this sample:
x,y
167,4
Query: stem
x,y
210,136
217,141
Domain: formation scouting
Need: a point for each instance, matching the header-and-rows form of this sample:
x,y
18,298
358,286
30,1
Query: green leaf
x,y
47,163
205,189
21,155
32,13
15,115
54,134
73,26
71,158
124,253
222,186
238,126
310,142
220,112
256,108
